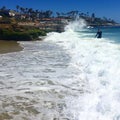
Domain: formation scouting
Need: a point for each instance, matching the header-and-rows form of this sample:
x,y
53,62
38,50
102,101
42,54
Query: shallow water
x,y
34,83
9,46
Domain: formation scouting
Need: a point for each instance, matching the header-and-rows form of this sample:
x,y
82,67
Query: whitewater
x,y
67,76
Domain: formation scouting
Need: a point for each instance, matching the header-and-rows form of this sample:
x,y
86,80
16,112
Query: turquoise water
x,y
111,33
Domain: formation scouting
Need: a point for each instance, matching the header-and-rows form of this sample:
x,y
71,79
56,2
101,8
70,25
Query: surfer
x,y
99,34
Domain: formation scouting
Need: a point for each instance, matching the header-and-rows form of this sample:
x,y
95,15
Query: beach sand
x,y
9,46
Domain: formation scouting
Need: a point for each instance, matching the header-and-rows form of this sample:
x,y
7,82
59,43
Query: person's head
x,y
98,29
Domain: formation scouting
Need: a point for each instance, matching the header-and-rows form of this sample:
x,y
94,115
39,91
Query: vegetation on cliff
x,y
15,32
33,34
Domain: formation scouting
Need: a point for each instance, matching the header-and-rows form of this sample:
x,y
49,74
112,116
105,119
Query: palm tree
x,y
49,12
87,14
26,10
31,13
37,13
22,10
30,10
17,7
93,17
58,14
3,8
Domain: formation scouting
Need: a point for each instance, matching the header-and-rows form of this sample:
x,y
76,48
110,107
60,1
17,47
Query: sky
x,y
101,8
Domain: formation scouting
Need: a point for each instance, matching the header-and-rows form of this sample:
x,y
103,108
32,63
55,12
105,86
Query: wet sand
x,y
9,46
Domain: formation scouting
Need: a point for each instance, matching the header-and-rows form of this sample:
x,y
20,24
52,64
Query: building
x,y
8,13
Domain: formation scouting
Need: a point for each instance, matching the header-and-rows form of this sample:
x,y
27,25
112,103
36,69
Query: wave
x,y
97,61
68,76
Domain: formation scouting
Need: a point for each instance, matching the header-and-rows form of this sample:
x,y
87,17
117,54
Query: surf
x,y
97,64
70,75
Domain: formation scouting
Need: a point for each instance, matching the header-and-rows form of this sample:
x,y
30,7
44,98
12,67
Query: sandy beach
x,y
9,46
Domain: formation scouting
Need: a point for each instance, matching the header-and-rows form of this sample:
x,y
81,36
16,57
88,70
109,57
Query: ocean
x,y
68,76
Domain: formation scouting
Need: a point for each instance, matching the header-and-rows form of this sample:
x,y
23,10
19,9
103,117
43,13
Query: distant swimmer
x,y
99,34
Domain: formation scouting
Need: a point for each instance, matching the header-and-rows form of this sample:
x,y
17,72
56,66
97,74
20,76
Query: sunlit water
x,y
68,76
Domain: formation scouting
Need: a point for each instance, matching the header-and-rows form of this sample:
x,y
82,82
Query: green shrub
x,y
6,34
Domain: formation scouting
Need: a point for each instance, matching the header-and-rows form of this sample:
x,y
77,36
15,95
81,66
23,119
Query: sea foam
x,y
97,61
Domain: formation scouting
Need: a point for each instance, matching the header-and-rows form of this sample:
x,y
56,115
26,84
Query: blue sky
x,y
108,8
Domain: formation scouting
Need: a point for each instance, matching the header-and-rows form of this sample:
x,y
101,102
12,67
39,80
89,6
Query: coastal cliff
x,y
29,25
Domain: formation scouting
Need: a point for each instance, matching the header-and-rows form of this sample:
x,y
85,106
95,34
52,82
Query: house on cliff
x,y
7,13
54,24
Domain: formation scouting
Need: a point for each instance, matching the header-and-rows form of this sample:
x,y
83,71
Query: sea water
x,y
68,76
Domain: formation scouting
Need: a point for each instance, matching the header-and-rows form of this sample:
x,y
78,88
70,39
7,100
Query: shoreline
x,y
103,25
9,46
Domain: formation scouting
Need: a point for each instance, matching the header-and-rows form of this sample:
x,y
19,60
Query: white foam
x,y
98,61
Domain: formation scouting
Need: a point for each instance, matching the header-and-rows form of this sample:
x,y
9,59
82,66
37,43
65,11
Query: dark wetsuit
x,y
99,34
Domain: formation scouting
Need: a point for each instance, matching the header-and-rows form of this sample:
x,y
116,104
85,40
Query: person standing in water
x,y
99,34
